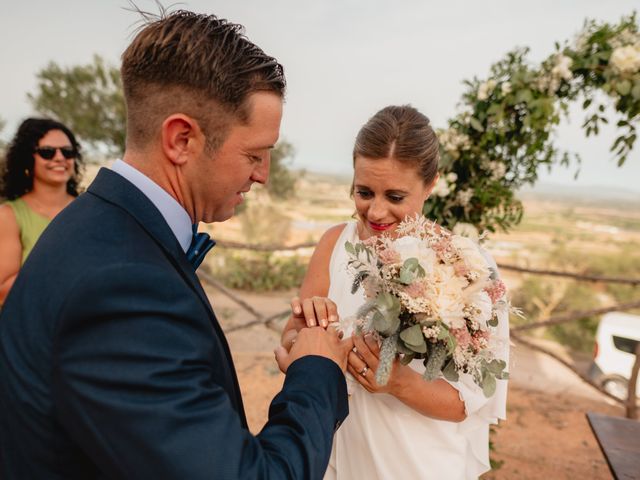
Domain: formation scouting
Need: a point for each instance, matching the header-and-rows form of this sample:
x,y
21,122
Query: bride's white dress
x,y
382,438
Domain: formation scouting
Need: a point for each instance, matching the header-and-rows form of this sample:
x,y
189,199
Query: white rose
x,y
466,230
452,177
626,59
506,88
411,247
448,290
407,247
482,302
473,259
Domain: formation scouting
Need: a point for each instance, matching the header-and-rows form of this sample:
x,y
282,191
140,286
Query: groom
x,y
112,362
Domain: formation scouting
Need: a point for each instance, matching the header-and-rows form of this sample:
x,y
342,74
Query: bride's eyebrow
x,y
396,192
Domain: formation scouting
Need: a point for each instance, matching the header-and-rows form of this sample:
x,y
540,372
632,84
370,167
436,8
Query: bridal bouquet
x,y
432,296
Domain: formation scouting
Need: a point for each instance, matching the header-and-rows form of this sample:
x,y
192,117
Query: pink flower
x,y
389,256
441,246
415,290
462,336
496,290
479,340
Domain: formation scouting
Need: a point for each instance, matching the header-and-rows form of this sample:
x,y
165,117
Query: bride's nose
x,y
377,210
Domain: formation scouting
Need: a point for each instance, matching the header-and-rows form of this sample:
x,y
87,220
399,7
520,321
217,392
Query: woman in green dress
x,y
40,178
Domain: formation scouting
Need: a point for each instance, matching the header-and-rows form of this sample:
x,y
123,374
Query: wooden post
x,y
632,409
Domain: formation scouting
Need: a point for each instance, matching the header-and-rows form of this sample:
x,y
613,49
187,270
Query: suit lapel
x,y
115,189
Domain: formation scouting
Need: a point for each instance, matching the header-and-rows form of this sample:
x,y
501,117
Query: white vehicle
x,y
616,340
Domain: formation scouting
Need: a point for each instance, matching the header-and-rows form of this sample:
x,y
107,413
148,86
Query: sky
x,y
344,60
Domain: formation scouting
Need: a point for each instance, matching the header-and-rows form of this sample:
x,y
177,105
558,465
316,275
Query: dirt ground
x,y
546,435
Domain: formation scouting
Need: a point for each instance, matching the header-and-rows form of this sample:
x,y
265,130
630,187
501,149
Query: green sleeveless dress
x,y
31,225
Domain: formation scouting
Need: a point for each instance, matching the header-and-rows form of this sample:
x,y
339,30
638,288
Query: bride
x,y
410,428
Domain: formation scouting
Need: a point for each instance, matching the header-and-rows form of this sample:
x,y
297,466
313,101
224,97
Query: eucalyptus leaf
x,y
443,334
388,304
402,348
406,277
348,246
497,366
412,335
381,322
488,385
422,348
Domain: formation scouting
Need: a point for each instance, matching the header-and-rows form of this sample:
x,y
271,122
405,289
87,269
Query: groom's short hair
x,y
199,65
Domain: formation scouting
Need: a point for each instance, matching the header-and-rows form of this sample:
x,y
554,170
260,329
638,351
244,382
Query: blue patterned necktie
x,y
200,246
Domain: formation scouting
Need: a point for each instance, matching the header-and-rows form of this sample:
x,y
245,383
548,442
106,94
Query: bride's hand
x,y
363,363
314,311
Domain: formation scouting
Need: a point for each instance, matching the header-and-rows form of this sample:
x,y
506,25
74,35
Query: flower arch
x,y
503,132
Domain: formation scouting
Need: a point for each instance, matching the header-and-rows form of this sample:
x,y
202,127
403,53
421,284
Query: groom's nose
x,y
261,172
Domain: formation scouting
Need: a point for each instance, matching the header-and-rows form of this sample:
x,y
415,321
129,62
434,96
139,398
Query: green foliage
x,y
87,98
503,135
282,180
411,269
260,272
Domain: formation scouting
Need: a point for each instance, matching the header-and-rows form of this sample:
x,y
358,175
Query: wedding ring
x,y
364,371
354,350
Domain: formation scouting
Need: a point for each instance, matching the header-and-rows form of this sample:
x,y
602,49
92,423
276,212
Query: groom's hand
x,y
316,341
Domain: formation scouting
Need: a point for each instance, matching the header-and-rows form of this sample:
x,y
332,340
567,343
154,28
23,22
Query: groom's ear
x,y
182,138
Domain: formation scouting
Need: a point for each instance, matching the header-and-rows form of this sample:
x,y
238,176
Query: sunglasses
x,y
49,152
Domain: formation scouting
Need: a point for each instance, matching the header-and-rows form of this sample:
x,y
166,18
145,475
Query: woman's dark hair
x,y
402,133
17,174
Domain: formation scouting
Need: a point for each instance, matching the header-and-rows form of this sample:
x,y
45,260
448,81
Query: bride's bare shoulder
x,y
330,237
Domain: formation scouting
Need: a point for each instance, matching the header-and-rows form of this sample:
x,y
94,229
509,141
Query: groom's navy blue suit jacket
x,y
113,365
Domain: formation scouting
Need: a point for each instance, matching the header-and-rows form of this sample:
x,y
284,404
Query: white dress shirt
x,y
174,214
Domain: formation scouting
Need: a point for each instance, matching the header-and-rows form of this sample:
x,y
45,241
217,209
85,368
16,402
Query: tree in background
x,y
282,180
503,134
88,99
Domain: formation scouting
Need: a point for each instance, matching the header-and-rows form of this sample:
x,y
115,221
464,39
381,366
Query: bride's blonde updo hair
x,y
401,133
